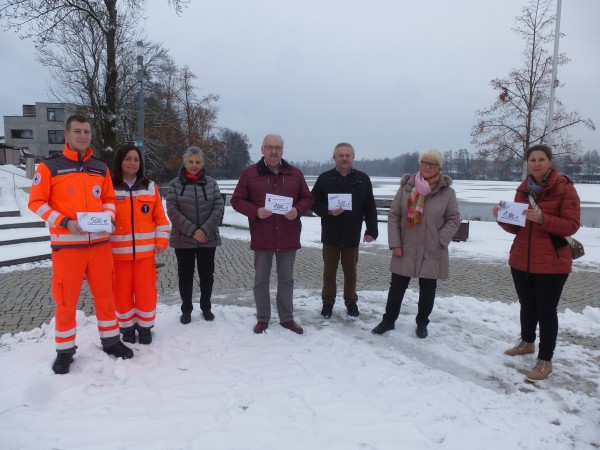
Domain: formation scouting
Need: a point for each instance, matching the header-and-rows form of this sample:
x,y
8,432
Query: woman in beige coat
x,y
422,220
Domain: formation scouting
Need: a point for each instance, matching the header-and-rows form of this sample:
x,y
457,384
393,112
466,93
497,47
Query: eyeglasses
x,y
429,165
273,147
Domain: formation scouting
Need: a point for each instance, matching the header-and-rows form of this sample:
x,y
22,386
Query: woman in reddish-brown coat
x,y
540,260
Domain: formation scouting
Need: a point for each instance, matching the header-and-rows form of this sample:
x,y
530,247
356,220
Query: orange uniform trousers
x,y
135,293
69,265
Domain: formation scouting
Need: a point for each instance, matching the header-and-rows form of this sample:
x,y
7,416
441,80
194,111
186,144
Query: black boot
x,y
352,309
62,363
383,327
208,315
119,350
185,318
129,335
327,310
145,335
421,331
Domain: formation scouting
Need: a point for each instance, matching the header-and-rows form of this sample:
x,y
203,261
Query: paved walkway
x,y
26,301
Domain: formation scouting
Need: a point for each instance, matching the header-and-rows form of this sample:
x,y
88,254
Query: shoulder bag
x,y
577,250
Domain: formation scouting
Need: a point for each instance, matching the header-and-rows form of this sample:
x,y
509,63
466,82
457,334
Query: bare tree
x,y
518,118
177,118
60,23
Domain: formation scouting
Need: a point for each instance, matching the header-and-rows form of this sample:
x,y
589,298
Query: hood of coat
x,y
186,180
408,180
263,169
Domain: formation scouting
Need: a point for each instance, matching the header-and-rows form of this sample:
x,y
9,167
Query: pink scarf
x,y
416,199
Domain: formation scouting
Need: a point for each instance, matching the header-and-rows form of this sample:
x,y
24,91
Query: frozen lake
x,y
475,198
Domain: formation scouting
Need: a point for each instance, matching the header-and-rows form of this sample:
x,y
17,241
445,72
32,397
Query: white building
x,y
40,130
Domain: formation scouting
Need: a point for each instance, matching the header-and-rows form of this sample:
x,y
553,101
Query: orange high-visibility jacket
x,y
63,186
141,223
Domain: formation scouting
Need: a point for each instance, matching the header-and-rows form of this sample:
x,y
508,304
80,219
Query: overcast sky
x,y
388,76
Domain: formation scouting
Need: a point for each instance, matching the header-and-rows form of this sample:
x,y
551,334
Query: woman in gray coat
x,y
195,208
422,220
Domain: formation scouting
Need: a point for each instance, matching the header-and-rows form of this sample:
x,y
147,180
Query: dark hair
x,y
539,148
122,151
76,118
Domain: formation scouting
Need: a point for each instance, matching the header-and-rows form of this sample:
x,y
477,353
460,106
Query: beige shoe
x,y
521,348
541,371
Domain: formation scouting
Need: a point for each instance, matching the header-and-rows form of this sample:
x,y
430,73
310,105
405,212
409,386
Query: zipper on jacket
x,y
197,211
132,220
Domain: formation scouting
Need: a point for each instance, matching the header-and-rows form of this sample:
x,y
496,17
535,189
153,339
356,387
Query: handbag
x,y
559,242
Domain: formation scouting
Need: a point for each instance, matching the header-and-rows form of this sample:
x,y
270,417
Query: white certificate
x,y
278,203
336,201
511,212
94,222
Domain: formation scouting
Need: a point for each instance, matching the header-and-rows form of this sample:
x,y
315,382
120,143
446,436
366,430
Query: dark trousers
x,y
186,259
331,258
398,286
539,295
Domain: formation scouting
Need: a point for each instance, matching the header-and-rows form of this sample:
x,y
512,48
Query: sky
x,y
387,76
216,385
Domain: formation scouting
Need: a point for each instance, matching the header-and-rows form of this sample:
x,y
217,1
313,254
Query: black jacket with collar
x,y
345,230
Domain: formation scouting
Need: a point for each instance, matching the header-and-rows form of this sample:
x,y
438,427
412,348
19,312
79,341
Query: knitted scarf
x,y
416,199
534,188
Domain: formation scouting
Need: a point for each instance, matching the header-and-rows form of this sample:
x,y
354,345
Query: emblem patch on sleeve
x,y
145,209
97,191
37,178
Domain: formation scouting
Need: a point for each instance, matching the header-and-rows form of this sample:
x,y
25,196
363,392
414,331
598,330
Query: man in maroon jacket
x,y
273,195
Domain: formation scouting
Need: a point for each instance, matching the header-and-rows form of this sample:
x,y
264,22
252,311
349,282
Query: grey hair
x,y
434,154
193,151
344,144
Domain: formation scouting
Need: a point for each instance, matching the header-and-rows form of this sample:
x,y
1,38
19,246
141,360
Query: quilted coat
x,y
532,250
191,206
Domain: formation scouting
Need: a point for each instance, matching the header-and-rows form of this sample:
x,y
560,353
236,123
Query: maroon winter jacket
x,y
275,233
532,250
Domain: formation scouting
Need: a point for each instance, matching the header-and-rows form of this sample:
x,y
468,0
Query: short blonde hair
x,y
434,154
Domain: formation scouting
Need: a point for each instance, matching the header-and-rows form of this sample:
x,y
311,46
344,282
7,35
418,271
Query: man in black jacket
x,y
343,199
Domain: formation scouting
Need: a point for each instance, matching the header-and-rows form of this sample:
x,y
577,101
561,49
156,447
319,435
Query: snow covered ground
x,y
216,385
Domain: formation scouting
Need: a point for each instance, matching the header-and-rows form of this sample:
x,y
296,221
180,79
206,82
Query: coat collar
x,y
263,169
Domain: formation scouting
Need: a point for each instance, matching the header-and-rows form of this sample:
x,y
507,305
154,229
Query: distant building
x,y
40,130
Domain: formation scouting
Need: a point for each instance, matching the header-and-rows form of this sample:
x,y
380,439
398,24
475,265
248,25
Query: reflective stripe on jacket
x,y
141,223
62,186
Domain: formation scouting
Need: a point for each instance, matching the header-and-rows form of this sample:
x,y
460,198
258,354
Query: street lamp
x,y
550,120
140,113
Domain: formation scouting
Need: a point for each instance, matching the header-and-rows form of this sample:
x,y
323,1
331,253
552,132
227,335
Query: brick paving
x,y
26,300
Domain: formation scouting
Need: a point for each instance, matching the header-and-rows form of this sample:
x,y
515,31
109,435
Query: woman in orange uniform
x,y
142,230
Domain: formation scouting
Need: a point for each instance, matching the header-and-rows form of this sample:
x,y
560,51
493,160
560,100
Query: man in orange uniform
x,y
65,184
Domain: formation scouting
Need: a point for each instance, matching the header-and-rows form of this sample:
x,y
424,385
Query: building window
x,y
21,134
56,115
56,137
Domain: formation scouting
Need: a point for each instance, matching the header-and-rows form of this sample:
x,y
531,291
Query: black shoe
x,y
327,310
62,363
129,336
185,318
145,335
208,315
352,309
119,350
383,327
422,331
